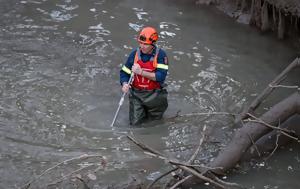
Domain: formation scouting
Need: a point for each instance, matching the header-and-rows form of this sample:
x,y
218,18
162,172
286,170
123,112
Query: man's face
x,y
145,48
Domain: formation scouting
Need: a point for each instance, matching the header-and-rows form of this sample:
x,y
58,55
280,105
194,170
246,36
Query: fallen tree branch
x,y
189,162
193,171
267,143
267,91
240,142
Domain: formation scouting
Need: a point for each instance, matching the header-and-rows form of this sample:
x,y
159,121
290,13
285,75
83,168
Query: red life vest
x,y
140,82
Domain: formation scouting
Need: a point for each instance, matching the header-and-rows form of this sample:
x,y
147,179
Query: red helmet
x,y
148,35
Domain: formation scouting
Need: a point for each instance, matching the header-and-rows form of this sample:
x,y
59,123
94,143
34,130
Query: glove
x,y
125,87
136,68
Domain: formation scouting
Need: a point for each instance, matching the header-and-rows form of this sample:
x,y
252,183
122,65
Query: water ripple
x,y
167,29
60,16
140,13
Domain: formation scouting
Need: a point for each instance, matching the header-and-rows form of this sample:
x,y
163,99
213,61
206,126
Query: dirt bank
x,y
277,16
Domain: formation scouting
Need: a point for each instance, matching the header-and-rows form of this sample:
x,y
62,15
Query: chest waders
x,y
145,104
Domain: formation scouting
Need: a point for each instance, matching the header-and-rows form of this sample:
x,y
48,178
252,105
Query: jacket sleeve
x,y
162,67
126,68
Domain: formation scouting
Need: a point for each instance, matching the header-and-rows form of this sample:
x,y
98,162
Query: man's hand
x,y
136,68
125,87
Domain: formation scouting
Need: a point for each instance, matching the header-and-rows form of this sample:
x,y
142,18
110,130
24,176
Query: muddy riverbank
x,y
277,17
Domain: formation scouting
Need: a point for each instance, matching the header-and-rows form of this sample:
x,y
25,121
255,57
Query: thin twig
x,y
285,132
207,113
202,114
143,146
276,143
177,163
181,181
193,157
270,126
81,157
83,181
167,184
285,86
161,176
68,175
150,151
253,143
276,146
228,184
146,148
257,120
200,176
290,136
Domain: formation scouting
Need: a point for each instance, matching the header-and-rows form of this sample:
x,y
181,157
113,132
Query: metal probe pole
x,y
121,101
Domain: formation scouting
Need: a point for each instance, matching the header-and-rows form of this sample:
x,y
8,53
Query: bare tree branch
x,y
160,177
81,157
193,171
228,184
202,177
181,181
268,90
68,175
253,143
257,120
199,146
277,138
284,86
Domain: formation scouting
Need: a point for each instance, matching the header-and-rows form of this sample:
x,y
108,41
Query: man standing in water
x,y
149,64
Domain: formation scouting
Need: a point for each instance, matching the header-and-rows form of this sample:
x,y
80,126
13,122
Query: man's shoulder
x,y
161,53
132,54
162,57
133,51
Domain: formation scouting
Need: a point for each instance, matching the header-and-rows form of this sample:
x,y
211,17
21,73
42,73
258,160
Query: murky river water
x,y
59,89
